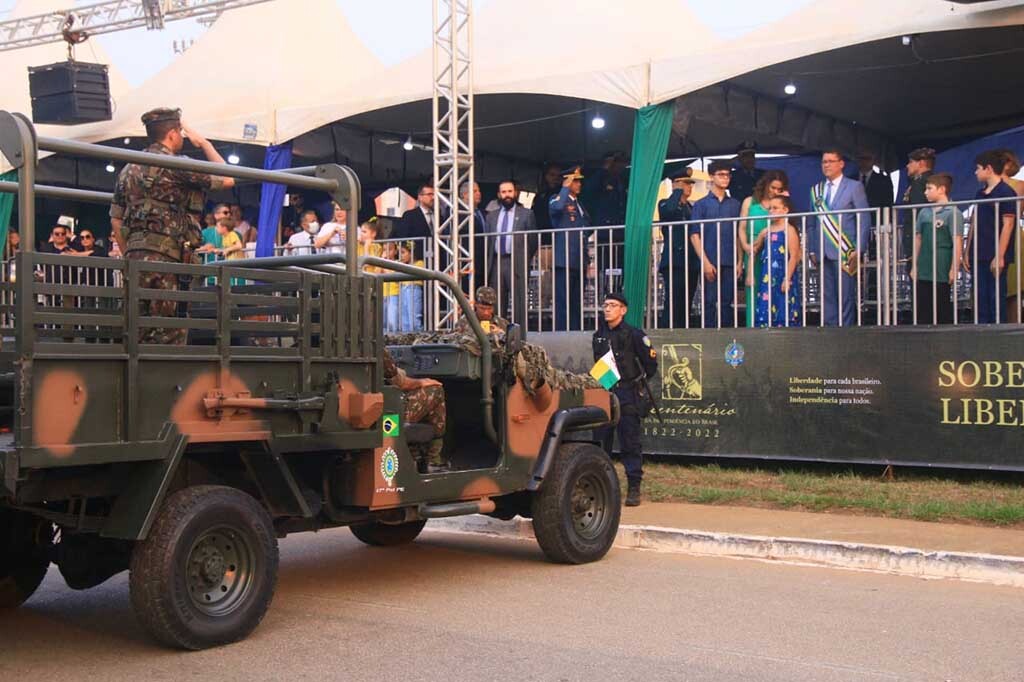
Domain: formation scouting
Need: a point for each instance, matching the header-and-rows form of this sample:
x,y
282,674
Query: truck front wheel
x,y
206,573
24,541
576,511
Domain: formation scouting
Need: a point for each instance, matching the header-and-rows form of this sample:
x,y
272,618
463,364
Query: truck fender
x,y
562,422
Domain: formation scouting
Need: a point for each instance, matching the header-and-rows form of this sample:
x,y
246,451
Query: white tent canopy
x,y
289,67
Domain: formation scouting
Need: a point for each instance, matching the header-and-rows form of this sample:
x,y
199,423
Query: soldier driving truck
x,y
183,464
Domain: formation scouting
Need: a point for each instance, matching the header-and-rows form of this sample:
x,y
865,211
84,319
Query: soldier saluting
x,y
153,216
636,360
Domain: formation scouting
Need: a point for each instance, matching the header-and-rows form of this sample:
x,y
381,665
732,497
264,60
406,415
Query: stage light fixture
x,y
790,88
407,145
597,121
233,159
110,168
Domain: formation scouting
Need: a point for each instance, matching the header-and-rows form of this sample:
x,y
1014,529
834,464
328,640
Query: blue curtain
x,y
959,161
278,156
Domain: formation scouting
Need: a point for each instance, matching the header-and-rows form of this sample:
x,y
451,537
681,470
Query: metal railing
x,y
554,280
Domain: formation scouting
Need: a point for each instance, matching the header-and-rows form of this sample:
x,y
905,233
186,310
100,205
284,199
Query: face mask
x,y
313,227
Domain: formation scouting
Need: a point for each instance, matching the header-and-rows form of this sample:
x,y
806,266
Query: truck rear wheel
x,y
387,534
576,511
24,558
207,572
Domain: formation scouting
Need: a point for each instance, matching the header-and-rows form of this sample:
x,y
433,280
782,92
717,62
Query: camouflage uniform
x,y
424,405
484,296
531,364
159,208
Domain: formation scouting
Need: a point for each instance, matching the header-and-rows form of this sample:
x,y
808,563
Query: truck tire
x,y
387,534
206,573
576,511
24,558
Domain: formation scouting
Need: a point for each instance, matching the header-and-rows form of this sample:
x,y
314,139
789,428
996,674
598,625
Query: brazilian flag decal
x,y
390,424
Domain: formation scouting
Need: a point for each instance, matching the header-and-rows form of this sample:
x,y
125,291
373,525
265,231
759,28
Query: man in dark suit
x,y
418,222
877,183
509,252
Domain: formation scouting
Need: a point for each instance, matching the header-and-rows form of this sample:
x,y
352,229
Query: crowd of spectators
x,y
733,244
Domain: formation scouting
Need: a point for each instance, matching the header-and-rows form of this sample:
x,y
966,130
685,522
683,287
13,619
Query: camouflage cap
x,y
161,114
922,154
486,296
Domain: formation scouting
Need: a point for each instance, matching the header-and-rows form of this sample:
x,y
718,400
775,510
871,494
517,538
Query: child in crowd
x,y
778,292
232,246
988,249
411,294
392,314
367,241
938,240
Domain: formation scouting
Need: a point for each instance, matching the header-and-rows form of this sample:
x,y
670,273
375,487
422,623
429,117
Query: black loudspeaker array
x,y
69,92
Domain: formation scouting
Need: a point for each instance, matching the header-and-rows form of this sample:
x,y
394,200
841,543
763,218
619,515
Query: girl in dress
x,y
778,250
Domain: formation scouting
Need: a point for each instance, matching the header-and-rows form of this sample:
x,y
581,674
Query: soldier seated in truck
x,y
424,404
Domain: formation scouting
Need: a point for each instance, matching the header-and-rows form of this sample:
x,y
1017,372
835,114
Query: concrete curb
x,y
986,568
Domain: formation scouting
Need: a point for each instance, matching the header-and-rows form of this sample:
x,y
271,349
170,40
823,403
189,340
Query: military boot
x,y
435,463
633,494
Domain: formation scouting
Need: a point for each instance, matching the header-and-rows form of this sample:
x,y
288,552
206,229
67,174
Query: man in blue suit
x,y
843,236
570,252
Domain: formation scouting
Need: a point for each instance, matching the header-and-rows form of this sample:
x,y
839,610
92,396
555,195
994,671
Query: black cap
x,y
616,296
683,174
716,166
747,146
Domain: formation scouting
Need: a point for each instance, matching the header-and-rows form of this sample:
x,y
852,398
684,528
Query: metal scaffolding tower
x,y
454,223
107,17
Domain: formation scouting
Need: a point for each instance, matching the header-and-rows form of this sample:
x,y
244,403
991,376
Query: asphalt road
x,y
452,607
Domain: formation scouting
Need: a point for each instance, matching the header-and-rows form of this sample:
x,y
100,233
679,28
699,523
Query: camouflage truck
x,y
185,464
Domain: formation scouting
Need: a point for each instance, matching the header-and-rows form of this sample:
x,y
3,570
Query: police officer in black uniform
x,y
635,357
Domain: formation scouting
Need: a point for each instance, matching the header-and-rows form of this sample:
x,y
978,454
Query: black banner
x,y
951,396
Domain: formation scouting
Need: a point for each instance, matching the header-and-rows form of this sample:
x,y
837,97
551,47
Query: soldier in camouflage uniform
x,y
154,214
486,298
424,403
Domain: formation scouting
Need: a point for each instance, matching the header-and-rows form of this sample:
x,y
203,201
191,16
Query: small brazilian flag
x,y
390,425
605,372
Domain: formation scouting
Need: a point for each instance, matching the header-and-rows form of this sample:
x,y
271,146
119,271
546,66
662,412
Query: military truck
x,y
185,464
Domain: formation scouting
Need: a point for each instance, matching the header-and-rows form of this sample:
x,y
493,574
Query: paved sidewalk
x,y
911,548
870,530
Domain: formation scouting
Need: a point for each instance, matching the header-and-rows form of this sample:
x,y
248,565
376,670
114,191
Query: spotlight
x,y
110,168
233,159
407,145
907,40
790,88
597,121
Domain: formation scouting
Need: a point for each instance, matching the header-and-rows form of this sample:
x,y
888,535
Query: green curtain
x,y
650,144
6,206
